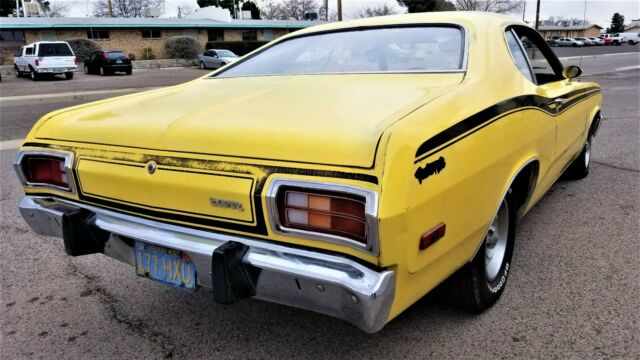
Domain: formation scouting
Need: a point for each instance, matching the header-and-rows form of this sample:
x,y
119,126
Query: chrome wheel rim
x,y
86,70
101,71
202,65
496,242
587,153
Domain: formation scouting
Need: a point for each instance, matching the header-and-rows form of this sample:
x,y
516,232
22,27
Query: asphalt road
x,y
573,292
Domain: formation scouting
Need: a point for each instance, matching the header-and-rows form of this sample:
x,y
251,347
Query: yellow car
x,y
346,169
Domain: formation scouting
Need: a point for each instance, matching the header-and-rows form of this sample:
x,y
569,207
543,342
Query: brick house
x,y
134,34
562,30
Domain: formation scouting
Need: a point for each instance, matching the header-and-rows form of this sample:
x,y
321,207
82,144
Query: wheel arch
x,y
522,184
595,118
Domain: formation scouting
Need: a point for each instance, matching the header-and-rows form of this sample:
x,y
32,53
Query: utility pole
x,y
110,9
339,10
17,8
524,10
537,14
24,10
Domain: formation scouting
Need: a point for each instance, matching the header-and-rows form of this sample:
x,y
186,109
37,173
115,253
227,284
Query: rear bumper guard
x,y
328,284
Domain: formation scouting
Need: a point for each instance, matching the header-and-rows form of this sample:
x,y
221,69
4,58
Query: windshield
x,y
225,53
54,50
392,49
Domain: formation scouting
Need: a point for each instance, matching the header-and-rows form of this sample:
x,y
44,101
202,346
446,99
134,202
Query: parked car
x,y
597,41
325,171
108,62
629,38
215,58
586,41
45,58
569,42
611,39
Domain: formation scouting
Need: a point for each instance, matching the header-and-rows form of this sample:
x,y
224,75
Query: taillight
x,y
105,54
37,62
45,170
323,212
75,60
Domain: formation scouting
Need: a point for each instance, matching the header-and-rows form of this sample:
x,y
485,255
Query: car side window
x,y
518,55
214,54
539,56
28,51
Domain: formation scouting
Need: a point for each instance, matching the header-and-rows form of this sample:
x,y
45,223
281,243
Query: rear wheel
x,y
202,65
129,71
479,284
68,75
86,69
33,74
18,72
579,168
103,71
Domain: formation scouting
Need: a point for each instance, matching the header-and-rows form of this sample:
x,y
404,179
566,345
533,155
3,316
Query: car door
x,y
215,59
557,95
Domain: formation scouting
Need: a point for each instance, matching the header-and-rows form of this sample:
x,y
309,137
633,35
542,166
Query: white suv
x,y
46,57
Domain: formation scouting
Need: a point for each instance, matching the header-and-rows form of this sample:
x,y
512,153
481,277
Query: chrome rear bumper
x,y
328,284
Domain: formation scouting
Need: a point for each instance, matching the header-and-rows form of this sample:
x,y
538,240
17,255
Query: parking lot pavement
x,y
573,291
595,50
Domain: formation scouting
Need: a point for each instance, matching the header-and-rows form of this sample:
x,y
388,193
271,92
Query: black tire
x,y
631,42
86,70
129,72
574,45
579,168
471,287
222,64
18,72
68,75
33,74
202,65
103,71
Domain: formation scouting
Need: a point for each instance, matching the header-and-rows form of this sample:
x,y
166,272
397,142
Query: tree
x,y
225,4
53,9
125,8
498,6
375,10
288,9
617,23
251,6
416,6
7,7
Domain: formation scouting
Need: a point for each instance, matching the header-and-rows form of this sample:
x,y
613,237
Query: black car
x,y
107,62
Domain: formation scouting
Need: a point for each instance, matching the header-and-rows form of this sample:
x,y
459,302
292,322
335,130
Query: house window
x,y
267,34
48,35
13,36
192,33
98,34
151,34
249,35
215,34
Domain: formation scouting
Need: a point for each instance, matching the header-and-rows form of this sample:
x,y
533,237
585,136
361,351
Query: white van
x,y
630,38
46,57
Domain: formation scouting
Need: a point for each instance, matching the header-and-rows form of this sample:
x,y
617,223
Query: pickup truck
x,y
45,58
611,39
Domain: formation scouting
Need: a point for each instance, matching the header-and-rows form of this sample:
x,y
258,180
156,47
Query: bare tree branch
x,y
287,9
125,8
498,6
375,10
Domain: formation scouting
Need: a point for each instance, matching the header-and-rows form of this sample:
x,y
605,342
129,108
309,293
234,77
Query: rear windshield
x,y
377,50
116,54
54,50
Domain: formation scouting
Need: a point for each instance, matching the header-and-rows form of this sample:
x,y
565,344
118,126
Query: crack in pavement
x,y
136,326
615,166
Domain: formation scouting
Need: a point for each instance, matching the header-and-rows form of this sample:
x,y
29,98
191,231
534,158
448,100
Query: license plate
x,y
167,266
58,70
118,61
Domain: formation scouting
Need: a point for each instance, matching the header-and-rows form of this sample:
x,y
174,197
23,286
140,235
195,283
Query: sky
x,y
597,11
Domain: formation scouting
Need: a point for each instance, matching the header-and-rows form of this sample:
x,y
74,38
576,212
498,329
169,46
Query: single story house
x,y
134,34
633,27
548,31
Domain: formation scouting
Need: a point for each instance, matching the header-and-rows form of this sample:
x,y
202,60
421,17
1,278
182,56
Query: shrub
x,y
238,47
83,47
132,56
147,54
182,47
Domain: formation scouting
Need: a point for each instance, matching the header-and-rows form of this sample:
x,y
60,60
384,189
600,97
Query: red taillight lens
x,y
324,212
37,62
75,60
105,54
45,170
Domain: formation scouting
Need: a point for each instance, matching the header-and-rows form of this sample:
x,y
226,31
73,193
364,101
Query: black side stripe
x,y
495,112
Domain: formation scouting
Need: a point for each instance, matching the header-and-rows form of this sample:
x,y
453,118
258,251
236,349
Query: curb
x,y
69,96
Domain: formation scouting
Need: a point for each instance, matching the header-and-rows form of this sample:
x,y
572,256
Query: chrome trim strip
x,y
371,213
68,164
328,284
